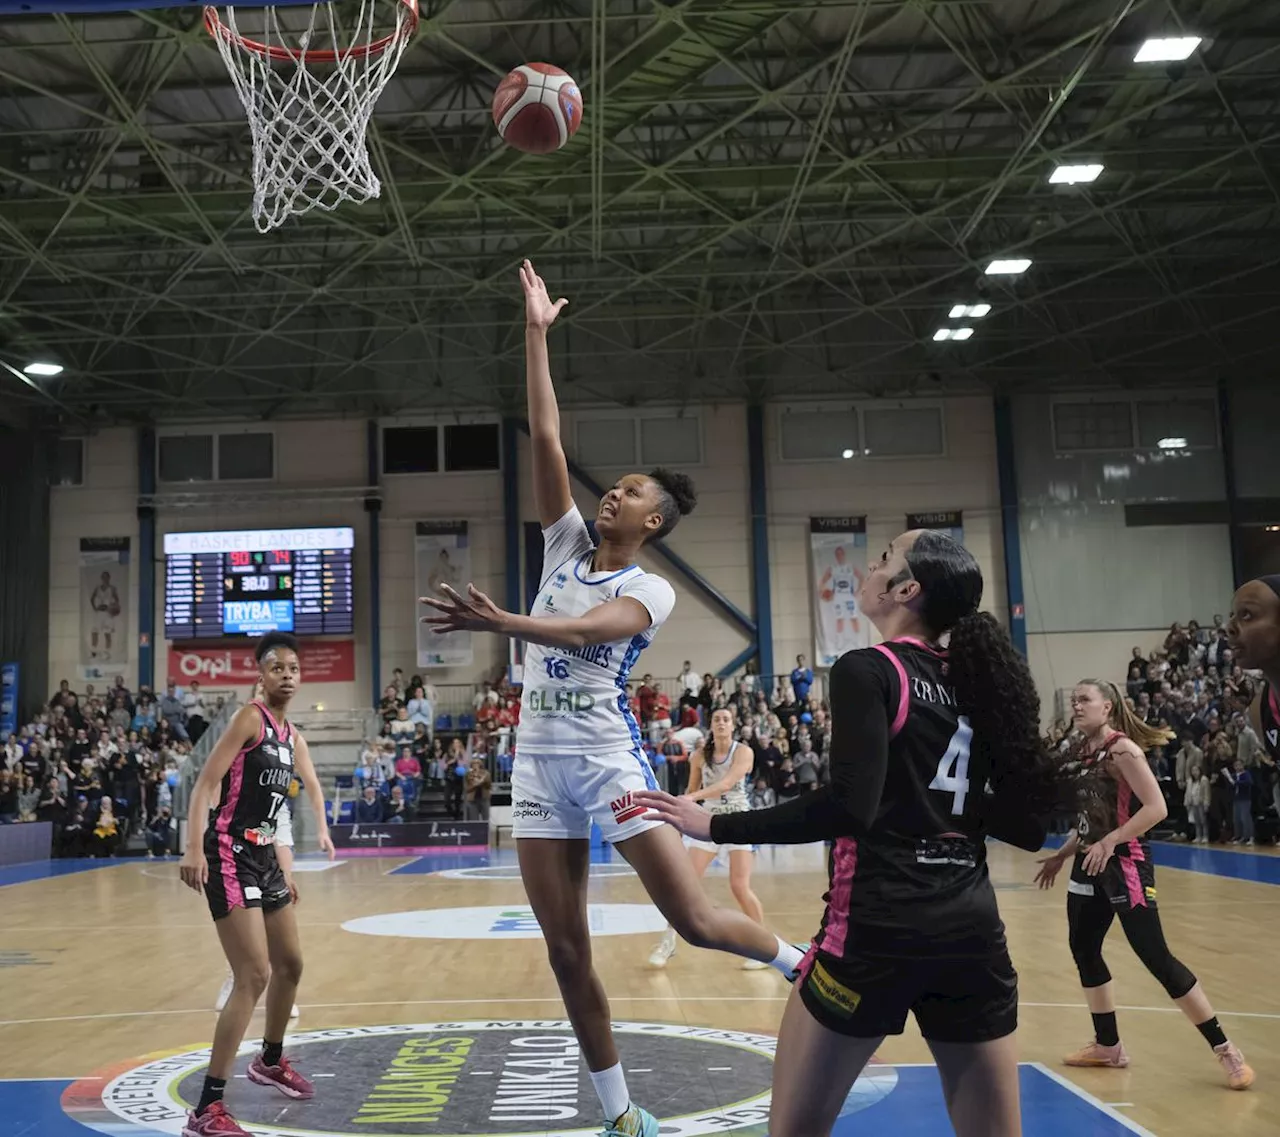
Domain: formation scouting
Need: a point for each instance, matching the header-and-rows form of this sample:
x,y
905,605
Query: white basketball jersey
x,y
733,796
575,701
843,583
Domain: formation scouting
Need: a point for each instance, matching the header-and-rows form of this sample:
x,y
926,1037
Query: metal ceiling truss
x,y
767,199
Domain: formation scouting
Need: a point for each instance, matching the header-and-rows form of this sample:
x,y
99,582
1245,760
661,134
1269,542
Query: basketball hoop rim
x,y
216,28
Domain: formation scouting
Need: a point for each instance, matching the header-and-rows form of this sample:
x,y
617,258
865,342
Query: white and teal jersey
x,y
575,701
733,797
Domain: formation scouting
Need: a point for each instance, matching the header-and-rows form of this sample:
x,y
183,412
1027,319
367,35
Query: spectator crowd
x,y
1220,783
102,767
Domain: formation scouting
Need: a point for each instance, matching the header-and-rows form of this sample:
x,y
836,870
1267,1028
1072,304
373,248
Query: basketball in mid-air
x,y
537,108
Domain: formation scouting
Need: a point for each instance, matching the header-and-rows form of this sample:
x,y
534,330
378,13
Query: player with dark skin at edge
x,y
555,868
1253,632
260,943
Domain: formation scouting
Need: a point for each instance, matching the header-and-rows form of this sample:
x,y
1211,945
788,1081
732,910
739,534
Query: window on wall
x,y
1092,426
66,462
1177,424
222,456
903,432
450,448
246,457
614,442
818,436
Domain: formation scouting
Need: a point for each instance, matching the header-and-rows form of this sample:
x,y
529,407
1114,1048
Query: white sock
x,y
788,958
611,1089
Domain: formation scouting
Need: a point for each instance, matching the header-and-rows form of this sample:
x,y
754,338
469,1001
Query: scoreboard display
x,y
248,582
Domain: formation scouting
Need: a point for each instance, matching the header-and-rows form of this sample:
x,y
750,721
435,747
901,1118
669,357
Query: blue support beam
x,y
1007,471
1226,428
511,514
373,507
146,559
659,548
756,468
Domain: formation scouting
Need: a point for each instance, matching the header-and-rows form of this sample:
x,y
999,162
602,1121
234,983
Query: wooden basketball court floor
x,y
108,973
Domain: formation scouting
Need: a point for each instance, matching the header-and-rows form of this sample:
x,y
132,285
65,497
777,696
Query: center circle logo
x,y
497,1078
502,922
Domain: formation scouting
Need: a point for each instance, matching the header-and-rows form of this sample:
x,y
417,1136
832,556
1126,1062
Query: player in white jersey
x,y
839,588
105,603
718,773
578,756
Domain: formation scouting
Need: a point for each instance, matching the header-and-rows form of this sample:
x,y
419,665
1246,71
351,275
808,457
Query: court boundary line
x,y
1097,1103
106,1015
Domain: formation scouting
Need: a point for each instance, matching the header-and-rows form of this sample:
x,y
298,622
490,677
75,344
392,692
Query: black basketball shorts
x,y
242,875
952,1000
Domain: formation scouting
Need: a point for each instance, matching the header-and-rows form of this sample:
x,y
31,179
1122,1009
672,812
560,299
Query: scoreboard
x,y
248,582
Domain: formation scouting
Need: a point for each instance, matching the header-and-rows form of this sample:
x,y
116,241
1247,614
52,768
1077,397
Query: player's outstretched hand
x,y
539,310
1050,866
474,612
683,813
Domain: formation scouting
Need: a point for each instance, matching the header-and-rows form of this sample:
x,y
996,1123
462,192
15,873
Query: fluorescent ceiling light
x,y
977,311
1074,175
952,334
1168,50
1172,444
43,370
1009,266
846,453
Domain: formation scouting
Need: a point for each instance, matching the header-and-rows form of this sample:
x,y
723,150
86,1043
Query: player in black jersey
x,y
1113,875
233,861
1254,634
932,749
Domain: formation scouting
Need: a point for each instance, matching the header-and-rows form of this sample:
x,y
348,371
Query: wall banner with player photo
x,y
838,556
104,606
441,556
948,521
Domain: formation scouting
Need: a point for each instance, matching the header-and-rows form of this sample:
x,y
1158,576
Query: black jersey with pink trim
x,y
915,882
1269,713
257,783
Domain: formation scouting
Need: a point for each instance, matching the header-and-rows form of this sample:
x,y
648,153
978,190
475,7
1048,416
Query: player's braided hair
x,y
677,497
992,680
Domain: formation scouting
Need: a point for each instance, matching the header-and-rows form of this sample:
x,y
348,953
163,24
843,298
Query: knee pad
x,y
1093,972
1173,975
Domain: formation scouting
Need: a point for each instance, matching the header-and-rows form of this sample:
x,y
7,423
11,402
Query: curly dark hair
x,y
677,498
272,640
992,682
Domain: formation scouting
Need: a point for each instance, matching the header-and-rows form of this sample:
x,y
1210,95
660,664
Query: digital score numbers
x,y
249,582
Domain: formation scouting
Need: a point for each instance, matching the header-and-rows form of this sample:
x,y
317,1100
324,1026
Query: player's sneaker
x,y
1239,1074
283,1077
293,1011
228,985
636,1122
214,1122
664,951
1095,1054
754,965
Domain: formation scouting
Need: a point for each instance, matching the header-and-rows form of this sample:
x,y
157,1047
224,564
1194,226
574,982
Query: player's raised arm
x,y
550,471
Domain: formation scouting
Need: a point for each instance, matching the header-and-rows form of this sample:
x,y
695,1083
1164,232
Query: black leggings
x,y
1089,919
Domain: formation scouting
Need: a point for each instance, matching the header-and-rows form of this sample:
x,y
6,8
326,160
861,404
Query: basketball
x,y
537,108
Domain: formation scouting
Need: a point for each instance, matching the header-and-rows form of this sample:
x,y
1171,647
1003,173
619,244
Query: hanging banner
x,y
320,661
441,556
838,555
948,521
104,606
10,691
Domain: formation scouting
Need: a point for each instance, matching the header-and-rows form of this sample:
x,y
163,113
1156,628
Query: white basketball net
x,y
309,117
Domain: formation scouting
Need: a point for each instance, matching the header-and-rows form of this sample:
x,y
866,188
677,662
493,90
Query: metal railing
x,y
190,769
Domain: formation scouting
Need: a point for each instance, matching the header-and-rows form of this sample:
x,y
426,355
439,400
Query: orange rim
x,y
216,28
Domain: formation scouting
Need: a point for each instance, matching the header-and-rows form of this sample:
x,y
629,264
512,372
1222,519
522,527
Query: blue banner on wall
x,y
9,692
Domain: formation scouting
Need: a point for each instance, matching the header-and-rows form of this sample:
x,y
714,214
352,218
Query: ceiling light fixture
x,y
846,453
960,311
1167,50
1076,175
1009,266
42,370
952,334
1172,444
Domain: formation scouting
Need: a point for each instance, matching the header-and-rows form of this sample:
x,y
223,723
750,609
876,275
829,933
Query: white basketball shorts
x,y
561,797
284,827
712,847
